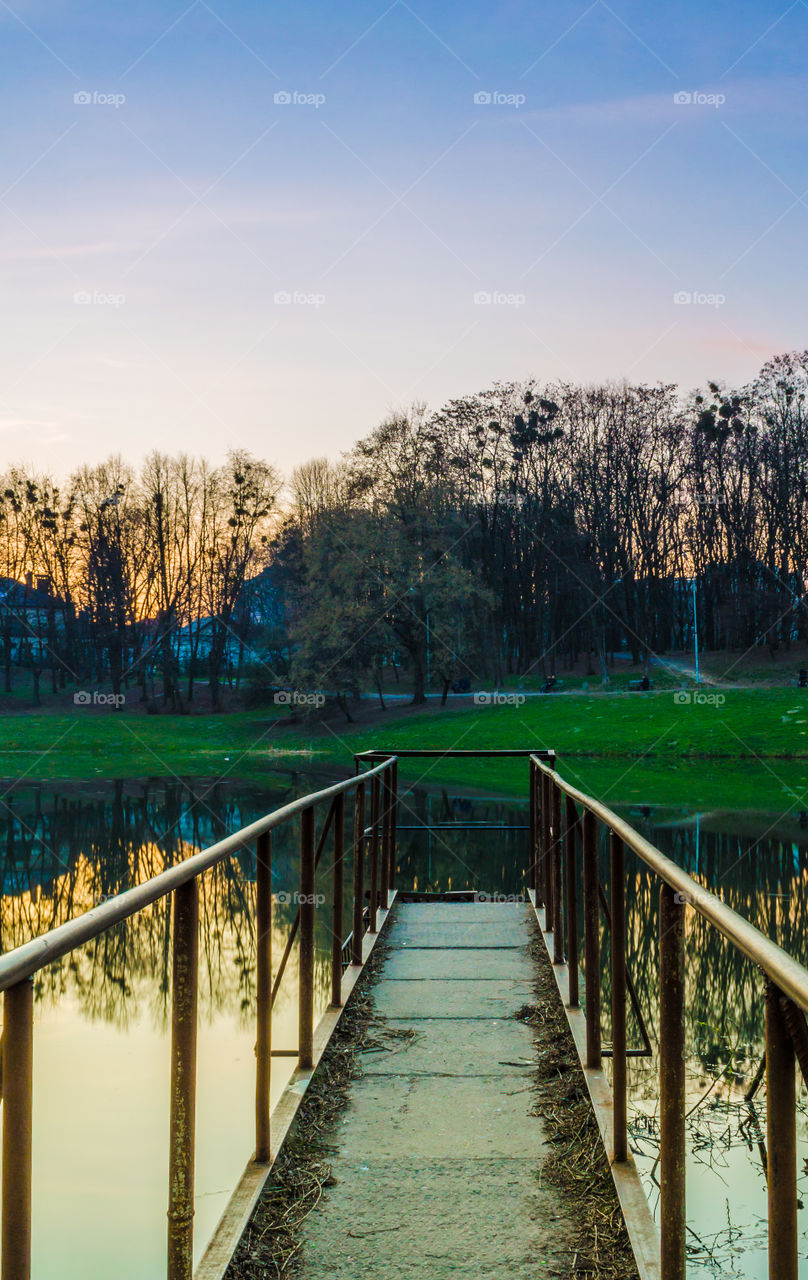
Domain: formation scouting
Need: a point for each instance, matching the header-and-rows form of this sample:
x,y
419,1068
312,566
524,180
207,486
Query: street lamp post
x,y
695,631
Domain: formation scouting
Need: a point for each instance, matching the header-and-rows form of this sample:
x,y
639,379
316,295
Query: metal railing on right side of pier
x,y
555,879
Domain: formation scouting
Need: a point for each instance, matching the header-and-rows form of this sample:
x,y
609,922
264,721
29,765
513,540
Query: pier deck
x,y
437,1159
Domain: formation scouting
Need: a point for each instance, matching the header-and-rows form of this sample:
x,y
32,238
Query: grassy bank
x,y
632,747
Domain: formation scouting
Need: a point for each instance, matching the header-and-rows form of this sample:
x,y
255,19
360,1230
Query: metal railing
x,y
554,873
375,839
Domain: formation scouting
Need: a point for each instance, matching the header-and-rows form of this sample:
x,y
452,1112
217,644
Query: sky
x,y
268,226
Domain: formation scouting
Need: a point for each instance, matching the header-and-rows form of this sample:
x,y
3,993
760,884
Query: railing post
x,y
618,904
358,874
591,940
263,989
18,1063
393,824
336,918
571,818
306,975
182,1140
558,877
533,879
384,824
672,1084
374,852
781,1126
546,835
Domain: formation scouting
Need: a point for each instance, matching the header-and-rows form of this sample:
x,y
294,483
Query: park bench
x,y
640,686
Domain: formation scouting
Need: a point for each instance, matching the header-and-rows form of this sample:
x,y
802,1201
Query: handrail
x,y
27,959
788,974
18,967
411,753
554,870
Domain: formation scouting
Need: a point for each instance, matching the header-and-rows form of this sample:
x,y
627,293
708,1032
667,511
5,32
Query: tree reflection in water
x,y
66,847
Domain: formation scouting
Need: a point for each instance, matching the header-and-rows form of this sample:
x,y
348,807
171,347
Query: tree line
x,y
524,529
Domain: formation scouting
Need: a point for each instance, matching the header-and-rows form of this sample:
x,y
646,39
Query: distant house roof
x,y
21,598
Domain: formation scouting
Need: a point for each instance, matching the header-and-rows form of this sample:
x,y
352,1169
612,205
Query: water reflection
x,y
758,864
102,1013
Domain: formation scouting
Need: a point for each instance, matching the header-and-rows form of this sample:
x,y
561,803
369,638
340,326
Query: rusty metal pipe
x,y
358,875
306,974
263,988
182,1132
26,960
531,791
571,819
618,949
786,972
393,824
558,880
672,1084
374,853
18,1064
290,941
781,1127
546,838
338,901
591,942
384,827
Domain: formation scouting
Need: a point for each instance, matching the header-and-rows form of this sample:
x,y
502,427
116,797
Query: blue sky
x,y
189,264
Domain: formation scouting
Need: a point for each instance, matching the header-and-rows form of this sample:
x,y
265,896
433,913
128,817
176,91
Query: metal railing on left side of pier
x,y
374,841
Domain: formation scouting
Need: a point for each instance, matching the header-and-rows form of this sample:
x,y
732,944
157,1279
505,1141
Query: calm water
x,y
101,1047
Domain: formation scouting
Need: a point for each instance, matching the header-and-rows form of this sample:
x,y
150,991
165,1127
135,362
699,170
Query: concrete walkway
x,y
438,1156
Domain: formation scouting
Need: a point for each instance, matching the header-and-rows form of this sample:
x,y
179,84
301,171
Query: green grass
x,y
751,750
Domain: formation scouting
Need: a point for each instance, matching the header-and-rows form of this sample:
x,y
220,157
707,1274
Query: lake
x,y
102,1014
